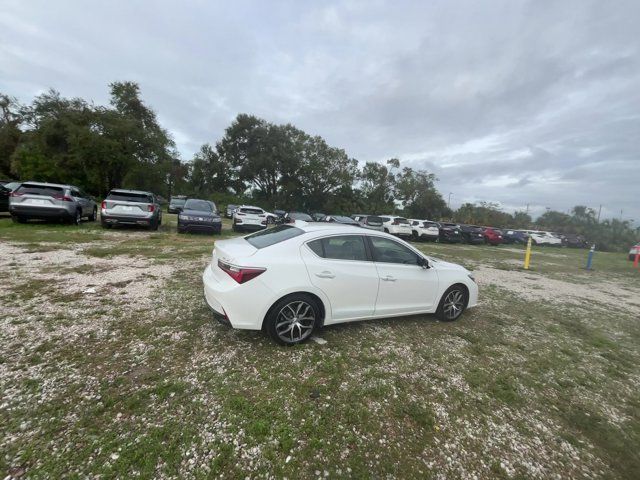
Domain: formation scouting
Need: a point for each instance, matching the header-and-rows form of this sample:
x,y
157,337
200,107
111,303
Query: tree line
x,y
71,140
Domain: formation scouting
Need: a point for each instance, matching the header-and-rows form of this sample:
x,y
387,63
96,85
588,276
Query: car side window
x,y
388,251
75,193
344,247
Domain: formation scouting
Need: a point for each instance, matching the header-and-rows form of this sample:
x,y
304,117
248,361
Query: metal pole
x,y
527,255
590,257
599,210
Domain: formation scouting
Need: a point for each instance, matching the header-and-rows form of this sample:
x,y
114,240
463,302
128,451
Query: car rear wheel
x,y
452,303
19,219
154,224
77,218
292,319
94,215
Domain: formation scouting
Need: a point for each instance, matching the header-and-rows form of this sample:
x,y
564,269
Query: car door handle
x,y
388,278
325,274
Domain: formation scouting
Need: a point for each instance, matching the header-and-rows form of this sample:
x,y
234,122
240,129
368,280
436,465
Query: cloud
x,y
518,102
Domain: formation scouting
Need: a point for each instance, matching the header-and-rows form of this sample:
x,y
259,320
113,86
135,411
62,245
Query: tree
x,y
377,184
416,191
10,120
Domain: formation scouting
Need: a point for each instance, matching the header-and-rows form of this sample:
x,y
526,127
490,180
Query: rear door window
x,y
343,247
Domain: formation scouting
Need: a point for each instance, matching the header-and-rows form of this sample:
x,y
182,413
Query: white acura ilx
x,y
292,279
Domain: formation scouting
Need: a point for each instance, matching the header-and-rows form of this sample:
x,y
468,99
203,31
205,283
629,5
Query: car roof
x,y
48,184
249,206
125,190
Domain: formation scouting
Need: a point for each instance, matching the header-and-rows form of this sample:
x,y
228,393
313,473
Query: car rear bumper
x,y
40,212
125,220
429,236
229,300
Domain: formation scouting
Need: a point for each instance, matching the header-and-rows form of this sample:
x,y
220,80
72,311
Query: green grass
x,y
101,387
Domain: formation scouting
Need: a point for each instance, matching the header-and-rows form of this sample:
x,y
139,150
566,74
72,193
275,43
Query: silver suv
x,y
131,207
51,201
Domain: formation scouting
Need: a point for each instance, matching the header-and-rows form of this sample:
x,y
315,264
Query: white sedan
x,y
292,279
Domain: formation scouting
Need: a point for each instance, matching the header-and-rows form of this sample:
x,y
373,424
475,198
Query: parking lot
x,y
111,365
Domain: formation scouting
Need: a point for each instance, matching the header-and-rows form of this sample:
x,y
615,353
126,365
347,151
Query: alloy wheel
x,y
453,304
295,321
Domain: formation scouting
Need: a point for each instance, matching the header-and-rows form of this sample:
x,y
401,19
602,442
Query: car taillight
x,y
240,274
104,205
64,198
16,194
151,208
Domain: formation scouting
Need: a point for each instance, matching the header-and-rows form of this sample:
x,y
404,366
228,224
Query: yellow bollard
x,y
527,255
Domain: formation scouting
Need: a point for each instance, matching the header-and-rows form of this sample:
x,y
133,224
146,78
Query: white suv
x,y
544,238
398,226
247,217
424,229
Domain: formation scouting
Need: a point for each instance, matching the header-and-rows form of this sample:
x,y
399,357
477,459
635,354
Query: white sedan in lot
x,y
292,279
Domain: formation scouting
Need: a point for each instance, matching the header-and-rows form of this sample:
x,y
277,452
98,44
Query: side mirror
x,y
423,262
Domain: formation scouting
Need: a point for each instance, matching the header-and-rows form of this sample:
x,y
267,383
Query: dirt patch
x,y
530,286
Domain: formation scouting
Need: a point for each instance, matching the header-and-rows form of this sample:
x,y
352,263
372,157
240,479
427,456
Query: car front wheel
x,y
452,304
292,319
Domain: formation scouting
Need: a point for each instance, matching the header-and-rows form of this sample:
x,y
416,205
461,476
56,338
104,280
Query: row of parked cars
x,y
38,200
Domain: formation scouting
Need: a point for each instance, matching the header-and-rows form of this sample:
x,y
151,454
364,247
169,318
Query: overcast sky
x,y
510,101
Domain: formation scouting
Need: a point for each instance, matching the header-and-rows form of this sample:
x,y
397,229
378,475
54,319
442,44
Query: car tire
x,y
453,303
300,308
154,224
77,219
386,230
94,215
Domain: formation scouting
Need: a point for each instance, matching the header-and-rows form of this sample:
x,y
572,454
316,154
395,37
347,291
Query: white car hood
x,y
442,265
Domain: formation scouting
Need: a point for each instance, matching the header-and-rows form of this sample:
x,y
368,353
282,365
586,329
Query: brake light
x,y
16,194
64,198
104,205
151,208
240,274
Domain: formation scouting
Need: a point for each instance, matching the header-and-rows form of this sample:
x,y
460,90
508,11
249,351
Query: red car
x,y
493,236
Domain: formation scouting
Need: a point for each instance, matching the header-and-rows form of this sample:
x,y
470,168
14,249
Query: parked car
x,y
633,251
372,222
544,238
573,241
199,216
176,204
291,217
398,226
49,201
450,232
340,219
5,193
248,217
318,217
272,218
229,211
424,230
472,234
514,236
302,277
492,236
280,215
131,207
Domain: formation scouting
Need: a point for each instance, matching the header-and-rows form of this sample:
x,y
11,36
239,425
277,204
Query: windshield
x,y
201,205
178,201
300,216
130,197
271,236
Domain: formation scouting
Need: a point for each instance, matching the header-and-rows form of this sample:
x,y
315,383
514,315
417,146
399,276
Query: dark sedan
x,y
514,236
472,234
199,216
450,232
291,217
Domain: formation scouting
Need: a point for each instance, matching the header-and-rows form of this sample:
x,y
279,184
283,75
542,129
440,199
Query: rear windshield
x,y
254,211
374,221
271,236
178,201
27,189
130,197
201,205
300,216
